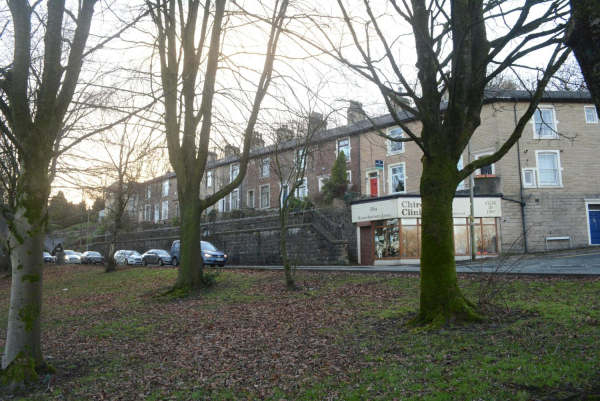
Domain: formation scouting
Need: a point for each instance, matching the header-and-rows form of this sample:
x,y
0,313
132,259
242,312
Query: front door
x,y
373,183
594,218
366,246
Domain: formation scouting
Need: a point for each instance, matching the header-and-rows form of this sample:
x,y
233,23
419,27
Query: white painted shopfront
x,y
389,229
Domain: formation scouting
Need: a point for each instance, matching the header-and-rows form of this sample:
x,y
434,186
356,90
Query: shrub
x,y
210,275
175,221
337,185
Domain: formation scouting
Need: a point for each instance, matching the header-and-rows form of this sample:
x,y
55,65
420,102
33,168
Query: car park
x,y
156,257
48,258
91,258
72,257
128,257
210,254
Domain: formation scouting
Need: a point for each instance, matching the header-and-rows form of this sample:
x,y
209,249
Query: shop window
x,y
387,241
461,236
411,238
486,236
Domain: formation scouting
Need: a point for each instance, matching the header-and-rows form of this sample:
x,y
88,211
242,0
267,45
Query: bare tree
x,y
459,47
37,86
584,38
128,149
190,62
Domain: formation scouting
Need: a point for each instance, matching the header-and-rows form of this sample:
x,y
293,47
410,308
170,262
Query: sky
x,y
122,76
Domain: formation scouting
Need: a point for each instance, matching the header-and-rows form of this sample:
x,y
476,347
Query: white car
x,y
128,258
72,257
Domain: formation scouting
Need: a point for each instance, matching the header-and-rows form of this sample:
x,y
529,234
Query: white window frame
x,y
265,162
390,143
322,181
337,148
559,168
301,154
176,209
253,197
534,175
305,186
391,178
555,123
231,205
156,213
165,210
148,213
234,167
594,113
149,191
209,179
460,166
481,154
222,204
165,187
268,197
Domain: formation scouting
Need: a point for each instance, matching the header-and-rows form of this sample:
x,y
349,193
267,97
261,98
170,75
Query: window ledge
x,y
485,176
395,153
549,186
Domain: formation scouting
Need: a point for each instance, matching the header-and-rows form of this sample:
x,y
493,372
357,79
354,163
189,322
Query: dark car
x,y
156,256
211,255
91,258
48,258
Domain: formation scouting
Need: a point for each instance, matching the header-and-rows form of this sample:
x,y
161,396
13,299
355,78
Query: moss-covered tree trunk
x,y
190,262
22,359
112,263
287,264
441,297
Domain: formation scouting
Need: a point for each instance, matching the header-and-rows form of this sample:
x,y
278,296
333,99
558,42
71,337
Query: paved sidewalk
x,y
582,264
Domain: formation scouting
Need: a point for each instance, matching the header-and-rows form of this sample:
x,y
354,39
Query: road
x,y
570,264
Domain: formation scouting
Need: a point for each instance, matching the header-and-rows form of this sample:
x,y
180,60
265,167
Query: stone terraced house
x,y
543,193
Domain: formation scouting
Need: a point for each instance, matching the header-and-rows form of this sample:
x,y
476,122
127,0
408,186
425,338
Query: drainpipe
x,y
472,216
523,204
359,170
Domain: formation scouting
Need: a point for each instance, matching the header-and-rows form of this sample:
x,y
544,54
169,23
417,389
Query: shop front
x,y
389,229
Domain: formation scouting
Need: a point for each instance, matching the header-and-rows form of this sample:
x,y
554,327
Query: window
x,y
387,239
222,205
398,178
486,170
591,117
209,179
349,176
544,124
343,145
165,188
156,213
235,170
165,210
147,213
265,167
301,159
250,199
302,190
265,197
322,181
234,199
459,166
149,191
392,146
548,166
176,209
529,180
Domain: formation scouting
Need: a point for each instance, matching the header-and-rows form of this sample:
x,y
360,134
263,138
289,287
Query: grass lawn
x,y
343,336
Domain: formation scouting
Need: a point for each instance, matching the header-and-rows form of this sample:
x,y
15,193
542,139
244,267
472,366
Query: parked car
x,y
211,255
48,258
72,257
91,257
128,258
156,256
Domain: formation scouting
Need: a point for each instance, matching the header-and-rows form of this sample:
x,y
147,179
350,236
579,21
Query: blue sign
x,y
379,164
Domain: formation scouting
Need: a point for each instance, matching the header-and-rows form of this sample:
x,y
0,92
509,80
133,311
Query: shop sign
x,y
371,211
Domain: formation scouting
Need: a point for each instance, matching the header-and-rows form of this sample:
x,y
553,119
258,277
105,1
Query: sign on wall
x,y
411,208
379,164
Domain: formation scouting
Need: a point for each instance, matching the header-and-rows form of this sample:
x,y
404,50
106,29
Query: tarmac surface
x,y
575,263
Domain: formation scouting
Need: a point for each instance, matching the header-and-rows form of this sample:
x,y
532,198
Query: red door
x,y
374,193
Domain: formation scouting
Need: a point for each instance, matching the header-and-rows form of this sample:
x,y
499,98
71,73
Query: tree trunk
x,y
441,298
584,39
287,264
191,263
112,263
22,359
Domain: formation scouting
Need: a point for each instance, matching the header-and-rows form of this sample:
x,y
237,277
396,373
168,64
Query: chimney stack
x,y
316,123
283,133
212,157
355,112
231,150
257,140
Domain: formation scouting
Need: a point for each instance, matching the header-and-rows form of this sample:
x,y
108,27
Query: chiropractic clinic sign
x,y
410,207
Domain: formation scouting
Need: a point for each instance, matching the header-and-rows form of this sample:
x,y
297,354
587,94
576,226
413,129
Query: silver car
x,y
128,258
72,257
